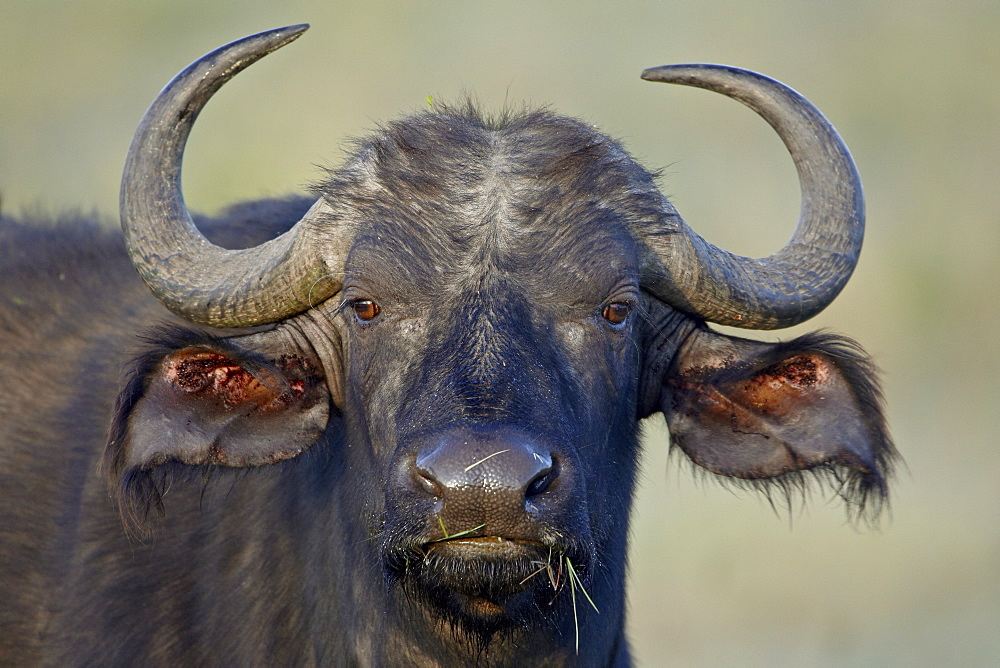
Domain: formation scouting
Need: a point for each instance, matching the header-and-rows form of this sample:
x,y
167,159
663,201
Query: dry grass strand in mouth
x,y
546,567
453,536
555,579
574,582
554,573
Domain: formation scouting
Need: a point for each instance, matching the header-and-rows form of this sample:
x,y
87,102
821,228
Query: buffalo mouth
x,y
472,547
487,581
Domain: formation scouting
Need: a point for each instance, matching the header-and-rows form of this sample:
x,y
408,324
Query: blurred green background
x,y
717,578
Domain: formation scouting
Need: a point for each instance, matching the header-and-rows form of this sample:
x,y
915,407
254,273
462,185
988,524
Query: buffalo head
x,y
458,340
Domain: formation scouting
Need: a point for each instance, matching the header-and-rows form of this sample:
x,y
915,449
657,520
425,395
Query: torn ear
x,y
200,401
203,406
758,411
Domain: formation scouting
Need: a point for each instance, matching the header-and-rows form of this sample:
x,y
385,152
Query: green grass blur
x,y
717,579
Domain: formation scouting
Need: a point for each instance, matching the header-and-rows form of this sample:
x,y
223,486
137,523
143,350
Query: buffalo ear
x,y
202,406
757,411
207,402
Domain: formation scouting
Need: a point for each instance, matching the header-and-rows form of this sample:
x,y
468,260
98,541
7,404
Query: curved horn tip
x,y
292,31
663,72
295,29
280,36
684,73
265,42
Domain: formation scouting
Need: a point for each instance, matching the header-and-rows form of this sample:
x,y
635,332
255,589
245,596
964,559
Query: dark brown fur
x,y
492,247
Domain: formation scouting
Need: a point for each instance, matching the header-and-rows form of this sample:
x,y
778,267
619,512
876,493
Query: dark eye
x,y
365,309
616,312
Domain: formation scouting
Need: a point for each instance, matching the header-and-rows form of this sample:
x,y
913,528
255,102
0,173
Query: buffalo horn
x,y
195,279
802,278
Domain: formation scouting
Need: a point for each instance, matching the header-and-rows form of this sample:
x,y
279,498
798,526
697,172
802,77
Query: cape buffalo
x,y
402,430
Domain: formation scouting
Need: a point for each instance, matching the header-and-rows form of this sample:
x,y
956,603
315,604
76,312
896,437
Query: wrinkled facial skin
x,y
508,344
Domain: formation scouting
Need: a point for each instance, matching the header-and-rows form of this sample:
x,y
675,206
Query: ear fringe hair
x,y
865,493
138,493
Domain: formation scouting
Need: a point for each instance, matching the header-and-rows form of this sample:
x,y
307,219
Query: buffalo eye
x,y
616,312
365,309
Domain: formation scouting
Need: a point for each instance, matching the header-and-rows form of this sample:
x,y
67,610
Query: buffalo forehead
x,y
442,199
587,265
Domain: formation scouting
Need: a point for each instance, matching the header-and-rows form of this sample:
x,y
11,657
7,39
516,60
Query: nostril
x,y
542,481
425,481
